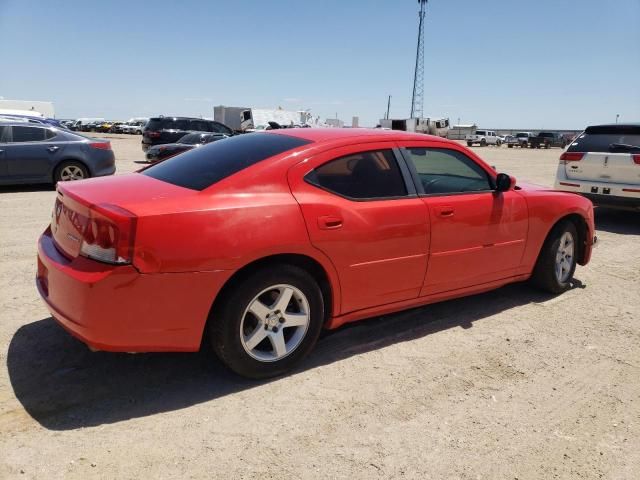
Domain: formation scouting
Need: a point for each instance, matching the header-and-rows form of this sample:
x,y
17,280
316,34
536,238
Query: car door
x,y
477,235
32,152
362,211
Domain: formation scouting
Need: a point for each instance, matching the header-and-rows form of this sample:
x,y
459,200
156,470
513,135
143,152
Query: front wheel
x,y
269,322
557,260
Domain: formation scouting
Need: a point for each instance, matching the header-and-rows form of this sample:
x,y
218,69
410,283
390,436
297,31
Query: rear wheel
x,y
557,260
69,171
510,146
269,322
469,144
483,143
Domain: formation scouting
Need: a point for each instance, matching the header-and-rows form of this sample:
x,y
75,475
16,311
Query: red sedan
x,y
261,240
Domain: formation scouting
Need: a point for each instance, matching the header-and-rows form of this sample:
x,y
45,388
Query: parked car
x,y
116,127
603,164
32,153
161,130
483,138
264,239
37,120
188,142
104,127
520,139
133,128
547,140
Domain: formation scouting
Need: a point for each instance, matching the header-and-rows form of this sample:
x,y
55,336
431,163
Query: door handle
x,y
53,148
446,211
329,222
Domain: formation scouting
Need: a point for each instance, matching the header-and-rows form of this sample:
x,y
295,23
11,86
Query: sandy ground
x,y
508,384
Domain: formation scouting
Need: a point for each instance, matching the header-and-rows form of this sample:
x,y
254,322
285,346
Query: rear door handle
x,y
446,211
53,148
329,222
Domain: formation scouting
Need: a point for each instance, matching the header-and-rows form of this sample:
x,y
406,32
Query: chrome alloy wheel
x,y
71,172
564,257
275,323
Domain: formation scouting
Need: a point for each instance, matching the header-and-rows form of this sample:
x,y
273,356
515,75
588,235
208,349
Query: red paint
x,y
182,245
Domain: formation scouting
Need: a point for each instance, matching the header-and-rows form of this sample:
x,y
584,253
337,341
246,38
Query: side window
x,y
220,128
28,134
199,126
179,125
443,171
4,134
366,175
49,134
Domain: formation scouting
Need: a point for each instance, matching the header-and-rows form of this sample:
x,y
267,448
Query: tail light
x,y
571,156
153,134
636,159
109,234
101,145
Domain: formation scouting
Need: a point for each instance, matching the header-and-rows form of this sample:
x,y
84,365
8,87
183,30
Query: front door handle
x,y
329,222
53,148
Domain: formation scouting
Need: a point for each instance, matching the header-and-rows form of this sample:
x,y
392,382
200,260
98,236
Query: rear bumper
x,y
603,194
116,308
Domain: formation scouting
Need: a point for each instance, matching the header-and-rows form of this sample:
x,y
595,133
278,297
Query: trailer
x,y
229,116
430,126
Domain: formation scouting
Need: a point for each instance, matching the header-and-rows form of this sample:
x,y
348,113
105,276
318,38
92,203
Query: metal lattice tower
x,y
417,99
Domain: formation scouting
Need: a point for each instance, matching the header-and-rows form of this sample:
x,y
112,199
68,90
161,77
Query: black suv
x,y
161,130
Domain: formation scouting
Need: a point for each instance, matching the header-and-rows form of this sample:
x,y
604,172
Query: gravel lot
x,y
508,384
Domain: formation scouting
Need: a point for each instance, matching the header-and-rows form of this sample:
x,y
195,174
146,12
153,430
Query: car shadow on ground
x,y
623,222
64,386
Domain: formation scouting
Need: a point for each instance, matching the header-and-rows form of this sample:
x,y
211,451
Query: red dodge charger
x,y
259,241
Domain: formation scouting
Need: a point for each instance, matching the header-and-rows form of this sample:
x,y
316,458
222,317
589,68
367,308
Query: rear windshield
x,y
545,134
200,168
604,142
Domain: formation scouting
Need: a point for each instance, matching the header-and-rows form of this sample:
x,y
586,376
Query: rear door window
x,y
4,134
367,175
28,134
201,167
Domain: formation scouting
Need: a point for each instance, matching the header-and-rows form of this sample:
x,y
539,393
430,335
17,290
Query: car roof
x,y
18,123
334,134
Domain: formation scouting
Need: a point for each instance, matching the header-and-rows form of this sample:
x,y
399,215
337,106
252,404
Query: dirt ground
x,y
508,384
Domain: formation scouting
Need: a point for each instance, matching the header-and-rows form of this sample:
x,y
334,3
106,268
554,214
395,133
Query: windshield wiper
x,y
623,146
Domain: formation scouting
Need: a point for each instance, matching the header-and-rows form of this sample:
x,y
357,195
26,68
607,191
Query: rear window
x,y
200,168
168,124
480,132
602,142
546,134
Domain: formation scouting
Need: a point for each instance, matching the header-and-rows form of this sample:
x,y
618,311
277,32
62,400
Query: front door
x,y
477,235
31,154
363,214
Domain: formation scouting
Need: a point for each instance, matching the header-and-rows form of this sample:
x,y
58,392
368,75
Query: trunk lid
x,y
604,167
135,193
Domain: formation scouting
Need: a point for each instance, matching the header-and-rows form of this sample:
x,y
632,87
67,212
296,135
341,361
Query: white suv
x,y
603,164
484,138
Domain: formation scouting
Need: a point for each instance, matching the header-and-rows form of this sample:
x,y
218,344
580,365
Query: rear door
x,y
32,152
361,210
608,156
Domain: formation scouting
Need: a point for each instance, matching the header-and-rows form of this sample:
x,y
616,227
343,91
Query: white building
x,y
27,107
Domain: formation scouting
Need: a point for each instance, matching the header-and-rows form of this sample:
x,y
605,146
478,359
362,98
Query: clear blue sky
x,y
499,63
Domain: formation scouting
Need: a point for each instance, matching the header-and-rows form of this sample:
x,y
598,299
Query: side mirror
x,y
504,182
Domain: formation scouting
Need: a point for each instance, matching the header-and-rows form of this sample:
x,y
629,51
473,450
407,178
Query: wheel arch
x,y
581,227
326,282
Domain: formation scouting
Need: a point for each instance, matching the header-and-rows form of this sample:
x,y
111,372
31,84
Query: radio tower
x,y
418,76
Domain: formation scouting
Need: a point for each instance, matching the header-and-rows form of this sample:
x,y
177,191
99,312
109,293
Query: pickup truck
x,y
483,138
520,139
547,140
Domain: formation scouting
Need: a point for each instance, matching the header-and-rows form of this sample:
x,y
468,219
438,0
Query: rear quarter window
x,y
200,168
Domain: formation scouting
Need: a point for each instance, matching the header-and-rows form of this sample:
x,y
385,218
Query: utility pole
x,y
388,107
418,75
617,116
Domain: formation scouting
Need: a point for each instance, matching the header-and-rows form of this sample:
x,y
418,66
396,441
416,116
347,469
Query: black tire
x,y
509,146
483,143
59,172
469,144
544,273
226,320
498,143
